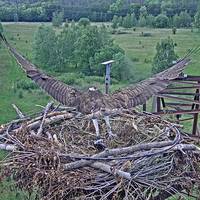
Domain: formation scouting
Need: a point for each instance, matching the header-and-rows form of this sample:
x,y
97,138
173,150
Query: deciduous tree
x,y
45,48
197,19
161,21
165,55
57,19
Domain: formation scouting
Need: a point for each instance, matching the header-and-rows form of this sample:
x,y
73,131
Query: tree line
x,y
160,21
95,10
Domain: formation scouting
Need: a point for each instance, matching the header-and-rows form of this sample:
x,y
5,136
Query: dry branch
x,y
18,111
44,117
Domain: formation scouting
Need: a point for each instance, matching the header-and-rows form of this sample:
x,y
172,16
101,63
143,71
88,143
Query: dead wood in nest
x,y
53,153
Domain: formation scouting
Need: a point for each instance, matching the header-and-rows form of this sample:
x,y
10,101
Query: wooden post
x,y
154,106
144,107
163,103
108,65
196,115
107,78
158,104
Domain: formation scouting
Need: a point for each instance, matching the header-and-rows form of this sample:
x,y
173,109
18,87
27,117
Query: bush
x,y
15,17
20,94
82,80
57,19
71,78
84,22
115,23
66,25
113,31
142,21
12,38
26,85
146,60
161,21
174,30
1,27
135,59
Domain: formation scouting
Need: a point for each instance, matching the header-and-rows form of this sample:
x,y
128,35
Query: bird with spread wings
x,y
94,100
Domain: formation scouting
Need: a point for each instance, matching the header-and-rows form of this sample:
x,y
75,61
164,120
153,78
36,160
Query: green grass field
x,y
144,48
139,50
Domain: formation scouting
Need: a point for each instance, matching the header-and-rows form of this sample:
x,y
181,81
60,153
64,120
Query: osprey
x,y
93,100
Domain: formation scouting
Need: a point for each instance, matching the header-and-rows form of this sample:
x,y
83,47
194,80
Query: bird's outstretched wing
x,y
127,98
141,92
59,91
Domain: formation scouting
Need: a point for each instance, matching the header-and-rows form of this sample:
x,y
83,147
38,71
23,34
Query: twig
x,y
8,147
44,117
111,170
125,150
18,111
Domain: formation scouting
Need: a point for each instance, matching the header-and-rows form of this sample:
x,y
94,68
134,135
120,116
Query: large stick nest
x,y
53,154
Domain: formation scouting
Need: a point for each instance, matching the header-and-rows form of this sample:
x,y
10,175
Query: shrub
x,y
71,78
12,38
15,17
66,25
57,19
115,22
135,59
161,21
146,60
84,22
1,27
26,85
174,30
20,94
